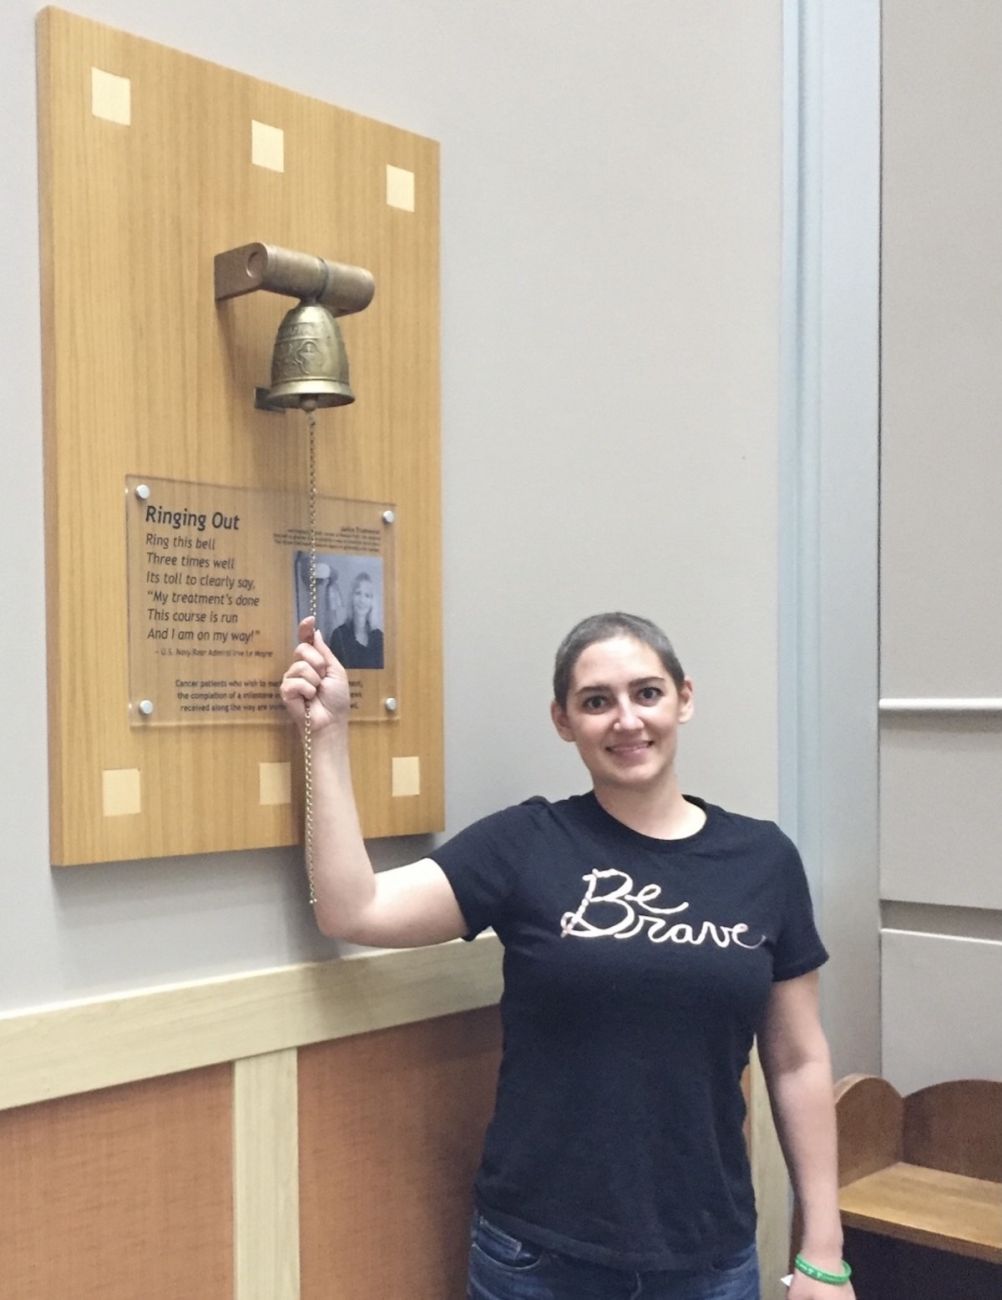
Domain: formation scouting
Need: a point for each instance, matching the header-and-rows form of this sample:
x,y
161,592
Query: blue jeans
x,y
503,1268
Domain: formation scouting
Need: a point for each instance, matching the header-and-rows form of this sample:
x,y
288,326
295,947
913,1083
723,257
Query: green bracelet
x,y
819,1275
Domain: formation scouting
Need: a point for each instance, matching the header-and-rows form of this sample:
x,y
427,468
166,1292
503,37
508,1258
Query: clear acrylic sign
x,y
218,579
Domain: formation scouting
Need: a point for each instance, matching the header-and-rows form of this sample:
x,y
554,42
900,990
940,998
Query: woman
x,y
356,643
649,936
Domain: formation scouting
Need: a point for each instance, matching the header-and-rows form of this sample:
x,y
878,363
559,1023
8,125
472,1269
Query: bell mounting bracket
x,y
342,289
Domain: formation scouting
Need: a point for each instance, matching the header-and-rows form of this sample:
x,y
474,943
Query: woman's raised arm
x,y
402,908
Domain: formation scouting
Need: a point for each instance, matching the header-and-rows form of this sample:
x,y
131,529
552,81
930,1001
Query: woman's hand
x,y
315,681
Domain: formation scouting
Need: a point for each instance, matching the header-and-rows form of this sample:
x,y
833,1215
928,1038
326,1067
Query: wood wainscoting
x,y
291,1134
121,1193
390,1130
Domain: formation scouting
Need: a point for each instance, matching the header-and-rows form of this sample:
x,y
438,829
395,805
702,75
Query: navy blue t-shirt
x,y
636,974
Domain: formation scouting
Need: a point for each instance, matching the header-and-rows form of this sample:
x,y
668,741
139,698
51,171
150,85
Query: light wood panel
x,y
871,1126
58,1051
957,1126
929,1207
769,1175
391,1128
145,374
121,1193
924,1169
266,1177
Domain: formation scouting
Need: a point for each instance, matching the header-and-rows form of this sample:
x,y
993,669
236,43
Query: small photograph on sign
x,y
350,604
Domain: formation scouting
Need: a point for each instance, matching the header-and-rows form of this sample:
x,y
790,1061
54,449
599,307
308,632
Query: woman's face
x,y
623,713
361,601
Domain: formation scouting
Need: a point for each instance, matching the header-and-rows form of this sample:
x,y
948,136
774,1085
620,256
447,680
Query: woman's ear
x,y
560,721
685,701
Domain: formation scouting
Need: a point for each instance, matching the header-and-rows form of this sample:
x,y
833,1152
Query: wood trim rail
x,y
80,1046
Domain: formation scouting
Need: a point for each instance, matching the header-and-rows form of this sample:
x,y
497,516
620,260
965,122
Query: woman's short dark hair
x,y
603,627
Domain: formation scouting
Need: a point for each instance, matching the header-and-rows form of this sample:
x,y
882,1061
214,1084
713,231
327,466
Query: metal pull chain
x,y
311,426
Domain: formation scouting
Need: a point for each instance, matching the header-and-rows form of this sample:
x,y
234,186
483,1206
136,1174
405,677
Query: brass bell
x,y
309,365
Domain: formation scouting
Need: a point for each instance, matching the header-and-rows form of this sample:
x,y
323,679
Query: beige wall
x,y
941,540
610,389
610,322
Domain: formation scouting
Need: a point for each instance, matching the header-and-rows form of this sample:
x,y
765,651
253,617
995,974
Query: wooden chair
x,y
920,1188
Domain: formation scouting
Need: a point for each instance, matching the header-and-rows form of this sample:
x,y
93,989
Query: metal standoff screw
x,y
389,517
146,707
390,704
143,492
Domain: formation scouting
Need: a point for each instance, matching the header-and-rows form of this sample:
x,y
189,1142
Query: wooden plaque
x,y
152,162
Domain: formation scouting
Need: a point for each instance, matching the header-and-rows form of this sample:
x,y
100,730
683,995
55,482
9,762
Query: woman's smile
x,y
630,749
